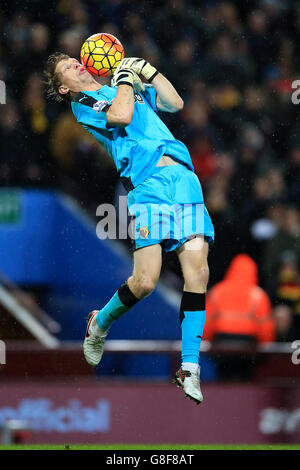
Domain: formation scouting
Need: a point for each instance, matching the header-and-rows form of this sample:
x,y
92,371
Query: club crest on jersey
x,y
138,99
144,232
100,106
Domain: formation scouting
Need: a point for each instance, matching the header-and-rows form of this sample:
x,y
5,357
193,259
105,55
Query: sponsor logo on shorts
x,y
144,232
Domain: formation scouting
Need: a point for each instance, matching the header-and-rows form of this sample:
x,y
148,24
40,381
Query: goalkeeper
x,y
164,195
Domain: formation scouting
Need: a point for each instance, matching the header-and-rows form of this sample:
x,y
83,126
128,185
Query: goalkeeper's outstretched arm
x,y
167,97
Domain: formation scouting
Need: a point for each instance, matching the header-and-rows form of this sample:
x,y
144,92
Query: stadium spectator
x,y
12,145
39,44
284,327
285,240
237,308
238,313
293,174
288,285
78,155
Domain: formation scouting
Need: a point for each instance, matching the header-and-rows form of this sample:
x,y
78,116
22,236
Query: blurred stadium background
x,y
233,62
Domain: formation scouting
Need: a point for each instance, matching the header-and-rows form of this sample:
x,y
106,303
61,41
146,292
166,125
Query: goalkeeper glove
x,y
127,77
139,66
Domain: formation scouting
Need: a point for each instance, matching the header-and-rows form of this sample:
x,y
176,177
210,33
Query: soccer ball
x,y
101,54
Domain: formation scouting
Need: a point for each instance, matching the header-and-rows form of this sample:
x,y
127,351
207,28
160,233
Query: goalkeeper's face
x,y
72,75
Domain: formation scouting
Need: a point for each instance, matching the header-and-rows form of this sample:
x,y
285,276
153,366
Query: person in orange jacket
x,y
237,308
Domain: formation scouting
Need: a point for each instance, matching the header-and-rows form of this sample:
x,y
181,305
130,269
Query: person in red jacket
x,y
238,306
238,309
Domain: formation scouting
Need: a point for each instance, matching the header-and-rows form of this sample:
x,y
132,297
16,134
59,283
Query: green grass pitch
x,y
151,447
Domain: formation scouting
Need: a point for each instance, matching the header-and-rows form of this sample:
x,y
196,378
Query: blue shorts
x,y
168,208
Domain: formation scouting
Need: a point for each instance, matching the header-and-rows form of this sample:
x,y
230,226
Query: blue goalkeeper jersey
x,y
137,147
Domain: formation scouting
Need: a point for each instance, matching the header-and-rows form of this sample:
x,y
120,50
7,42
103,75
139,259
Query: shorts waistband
x,y
175,166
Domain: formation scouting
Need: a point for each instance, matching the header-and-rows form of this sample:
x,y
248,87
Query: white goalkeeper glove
x,y
127,77
139,66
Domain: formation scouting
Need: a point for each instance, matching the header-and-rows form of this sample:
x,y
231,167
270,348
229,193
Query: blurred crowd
x,y
233,62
